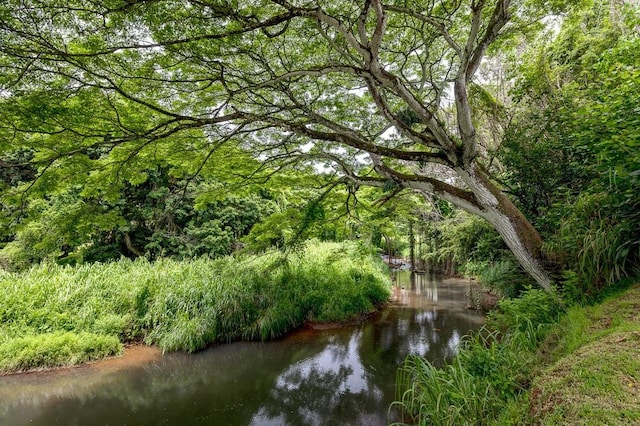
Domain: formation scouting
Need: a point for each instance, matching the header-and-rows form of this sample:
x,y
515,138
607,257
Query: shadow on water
x,y
310,377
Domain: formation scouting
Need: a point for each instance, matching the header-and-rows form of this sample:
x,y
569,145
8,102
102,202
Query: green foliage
x,y
474,247
501,361
603,249
534,306
488,371
601,229
448,396
56,229
573,150
15,167
503,276
159,217
546,367
188,305
571,156
251,90
295,220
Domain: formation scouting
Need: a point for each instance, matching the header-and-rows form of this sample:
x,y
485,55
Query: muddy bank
x,y
133,355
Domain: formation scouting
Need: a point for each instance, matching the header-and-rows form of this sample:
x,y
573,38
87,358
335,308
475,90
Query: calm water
x,y
342,376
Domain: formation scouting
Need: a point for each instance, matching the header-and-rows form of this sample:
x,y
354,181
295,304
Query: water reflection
x,y
311,377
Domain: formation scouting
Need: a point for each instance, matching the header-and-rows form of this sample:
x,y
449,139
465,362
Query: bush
x,y
447,396
504,276
598,244
534,306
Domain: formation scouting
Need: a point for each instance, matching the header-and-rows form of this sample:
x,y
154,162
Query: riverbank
x,y
132,355
538,362
344,375
588,368
55,316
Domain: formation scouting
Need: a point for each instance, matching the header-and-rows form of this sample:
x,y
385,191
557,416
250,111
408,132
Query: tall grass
x,y
490,370
441,396
189,305
55,349
493,366
598,244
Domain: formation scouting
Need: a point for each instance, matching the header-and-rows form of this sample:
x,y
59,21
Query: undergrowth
x,y
181,305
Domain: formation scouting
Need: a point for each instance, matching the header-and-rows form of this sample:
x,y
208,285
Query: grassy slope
x,y
589,372
52,315
552,367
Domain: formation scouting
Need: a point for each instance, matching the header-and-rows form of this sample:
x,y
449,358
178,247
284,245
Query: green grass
x,y
447,396
55,349
490,370
183,305
578,368
591,372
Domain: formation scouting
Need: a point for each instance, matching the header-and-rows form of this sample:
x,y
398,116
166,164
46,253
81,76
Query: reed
x,y
191,304
442,396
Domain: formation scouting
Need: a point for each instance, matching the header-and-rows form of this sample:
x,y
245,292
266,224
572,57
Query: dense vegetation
x,y
491,368
572,157
493,139
55,315
535,363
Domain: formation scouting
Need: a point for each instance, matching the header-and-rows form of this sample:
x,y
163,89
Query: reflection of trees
x,y
343,376
226,385
331,388
430,327
357,372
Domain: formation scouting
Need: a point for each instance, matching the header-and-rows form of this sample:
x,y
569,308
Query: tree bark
x,y
131,247
412,246
516,231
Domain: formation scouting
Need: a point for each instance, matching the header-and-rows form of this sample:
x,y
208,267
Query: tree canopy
x,y
373,93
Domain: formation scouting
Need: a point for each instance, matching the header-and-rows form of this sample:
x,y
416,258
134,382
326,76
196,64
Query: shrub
x,y
534,307
442,396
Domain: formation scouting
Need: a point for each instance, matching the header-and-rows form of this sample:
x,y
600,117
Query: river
x,y
342,376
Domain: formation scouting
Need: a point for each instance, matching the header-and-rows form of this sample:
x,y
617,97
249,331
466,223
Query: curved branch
x,y
347,137
435,23
459,197
404,129
499,18
381,25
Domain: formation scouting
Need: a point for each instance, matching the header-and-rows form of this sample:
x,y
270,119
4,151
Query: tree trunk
x,y
131,247
516,231
389,254
412,246
483,198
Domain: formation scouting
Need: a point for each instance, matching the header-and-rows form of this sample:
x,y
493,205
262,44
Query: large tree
x,y
378,92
